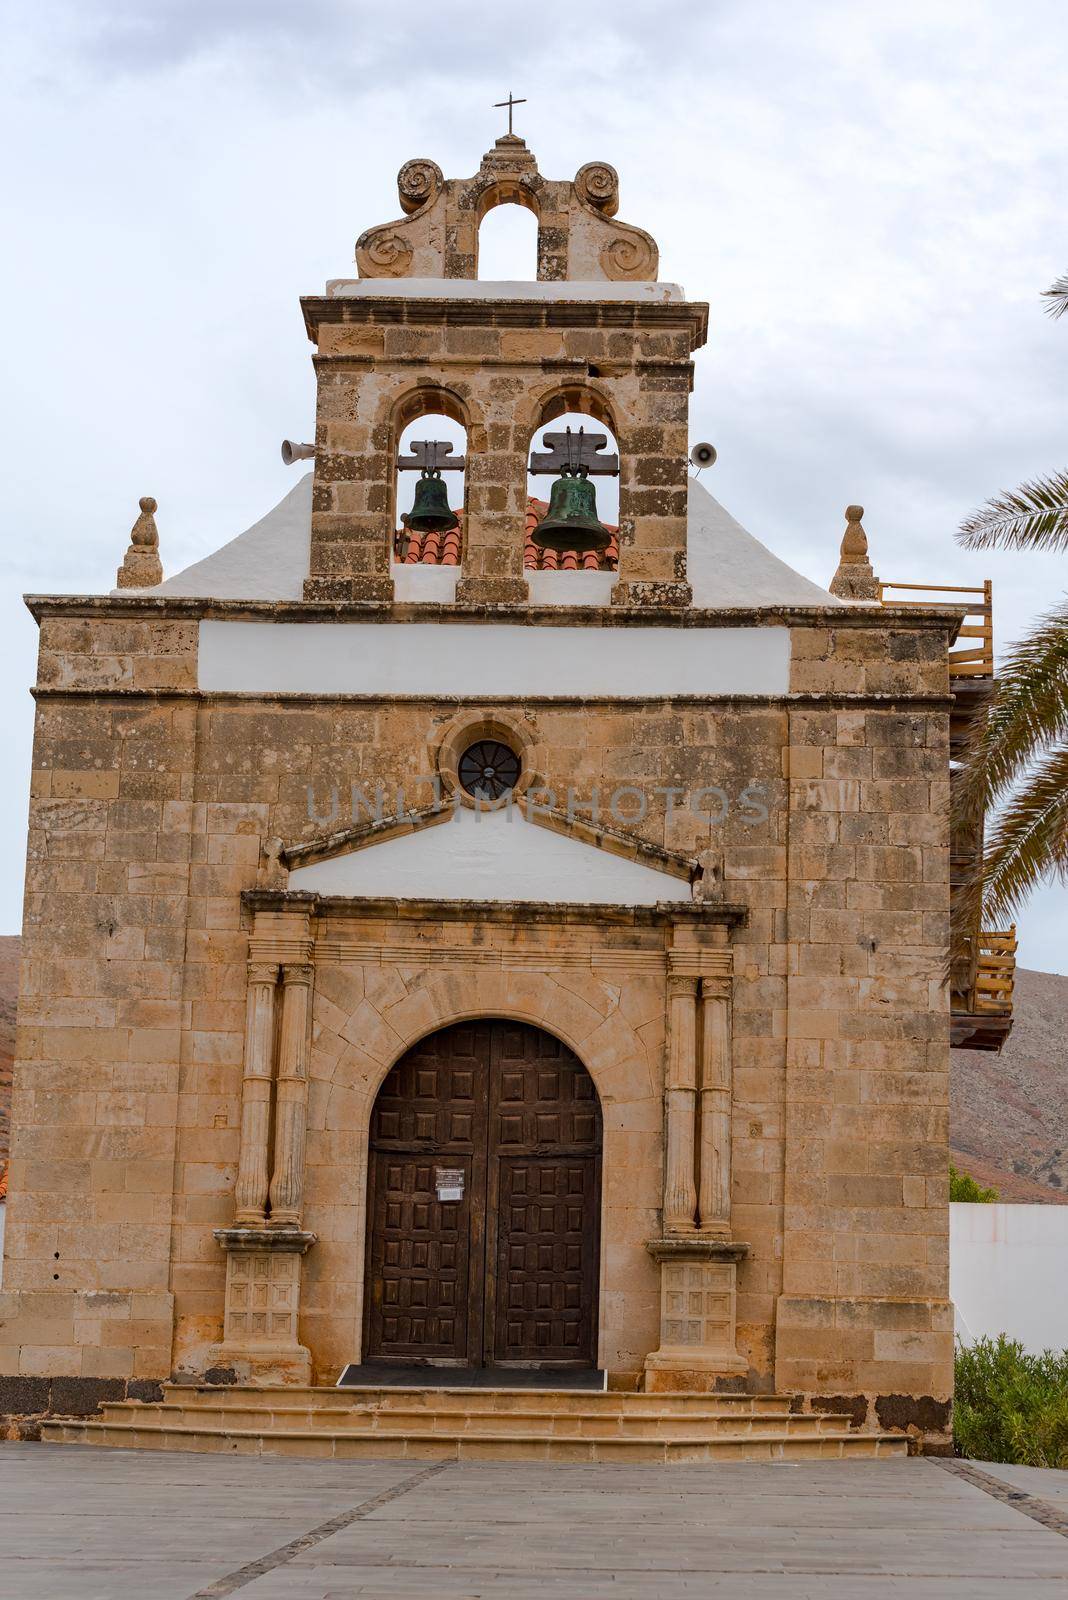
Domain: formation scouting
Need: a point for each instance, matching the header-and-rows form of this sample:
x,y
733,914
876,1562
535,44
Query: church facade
x,y
479,960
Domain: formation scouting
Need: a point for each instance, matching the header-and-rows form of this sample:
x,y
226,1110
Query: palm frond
x,y
1027,714
1033,517
1057,295
1029,841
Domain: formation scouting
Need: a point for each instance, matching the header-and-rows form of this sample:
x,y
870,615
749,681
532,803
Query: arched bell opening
x,y
483,1204
573,486
430,480
507,237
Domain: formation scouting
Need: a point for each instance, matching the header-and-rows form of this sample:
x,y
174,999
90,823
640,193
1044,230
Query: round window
x,y
488,769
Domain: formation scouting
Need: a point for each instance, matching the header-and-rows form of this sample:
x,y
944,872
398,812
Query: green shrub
x,y
1010,1406
962,1186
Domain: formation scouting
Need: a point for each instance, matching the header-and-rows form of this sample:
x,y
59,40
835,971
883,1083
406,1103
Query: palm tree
x,y
1017,759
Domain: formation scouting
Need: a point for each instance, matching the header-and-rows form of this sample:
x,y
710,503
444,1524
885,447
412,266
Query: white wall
x,y
504,659
1007,1273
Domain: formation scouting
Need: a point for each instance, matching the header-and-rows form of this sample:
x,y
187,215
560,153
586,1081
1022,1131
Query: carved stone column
x,y
680,1099
291,1104
253,1171
714,1202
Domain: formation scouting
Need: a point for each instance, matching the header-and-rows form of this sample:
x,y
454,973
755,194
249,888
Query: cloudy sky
x,y
870,197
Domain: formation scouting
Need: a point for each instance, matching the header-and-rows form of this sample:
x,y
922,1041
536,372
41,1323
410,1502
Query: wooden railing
x,y
967,659
994,974
982,974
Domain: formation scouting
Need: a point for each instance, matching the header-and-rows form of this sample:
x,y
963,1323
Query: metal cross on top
x,y
500,104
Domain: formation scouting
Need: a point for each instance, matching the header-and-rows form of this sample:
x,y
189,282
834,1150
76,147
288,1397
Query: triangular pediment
x,y
466,854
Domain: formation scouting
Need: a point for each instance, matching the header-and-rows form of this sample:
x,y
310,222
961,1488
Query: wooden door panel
x,y
546,1266
509,1273
426,1257
420,1267
542,1097
544,1202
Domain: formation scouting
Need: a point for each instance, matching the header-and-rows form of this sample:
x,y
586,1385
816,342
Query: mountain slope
x,y
1008,1113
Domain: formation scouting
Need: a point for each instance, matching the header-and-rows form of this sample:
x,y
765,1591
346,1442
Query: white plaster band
x,y
491,289
499,659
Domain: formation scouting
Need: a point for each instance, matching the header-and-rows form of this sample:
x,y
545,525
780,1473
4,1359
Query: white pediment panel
x,y
490,855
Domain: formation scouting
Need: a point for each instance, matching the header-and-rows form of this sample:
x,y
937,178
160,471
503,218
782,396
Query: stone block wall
x,y
102,1019
508,368
151,806
864,1318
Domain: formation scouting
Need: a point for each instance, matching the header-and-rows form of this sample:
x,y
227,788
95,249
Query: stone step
x,y
271,1415
367,1444
551,1401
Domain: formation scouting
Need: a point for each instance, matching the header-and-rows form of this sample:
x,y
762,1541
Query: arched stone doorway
x,y
484,1198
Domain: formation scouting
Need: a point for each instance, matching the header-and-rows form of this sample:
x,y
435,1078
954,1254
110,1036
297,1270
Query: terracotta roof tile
x,y
429,549
443,550
537,560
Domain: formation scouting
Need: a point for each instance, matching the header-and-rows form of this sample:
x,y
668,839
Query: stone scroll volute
x,y
600,247
414,246
437,237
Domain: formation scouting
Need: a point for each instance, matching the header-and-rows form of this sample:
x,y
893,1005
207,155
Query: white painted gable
x,y
727,566
269,561
490,855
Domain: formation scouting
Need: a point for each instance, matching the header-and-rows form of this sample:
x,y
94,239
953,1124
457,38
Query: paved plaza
x,y
149,1525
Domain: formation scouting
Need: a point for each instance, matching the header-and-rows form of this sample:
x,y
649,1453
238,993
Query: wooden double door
x,y
484,1203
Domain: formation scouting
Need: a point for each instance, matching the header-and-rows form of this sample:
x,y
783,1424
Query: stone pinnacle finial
x,y
854,579
272,872
141,567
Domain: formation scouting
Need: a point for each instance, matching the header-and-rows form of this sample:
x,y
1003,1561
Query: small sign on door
x,y
449,1182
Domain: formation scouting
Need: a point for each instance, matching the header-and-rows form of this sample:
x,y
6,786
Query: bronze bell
x,y
431,512
571,520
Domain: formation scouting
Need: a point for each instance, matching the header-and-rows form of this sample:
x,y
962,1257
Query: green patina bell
x,y
571,520
431,512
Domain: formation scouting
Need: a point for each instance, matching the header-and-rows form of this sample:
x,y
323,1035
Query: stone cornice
x,y
155,607
782,702
276,1241
525,314
563,366
664,914
696,1247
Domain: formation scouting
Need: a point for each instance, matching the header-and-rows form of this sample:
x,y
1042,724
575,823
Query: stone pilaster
x,y
680,1100
254,1170
291,1105
714,1197
698,1259
264,1248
